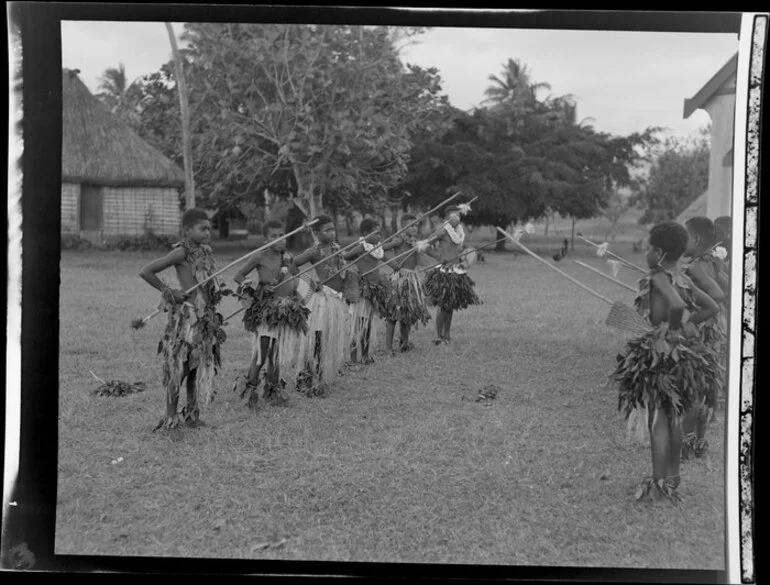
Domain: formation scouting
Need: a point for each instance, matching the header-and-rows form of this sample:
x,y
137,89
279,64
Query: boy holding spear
x,y
323,349
407,303
449,287
275,316
191,342
373,290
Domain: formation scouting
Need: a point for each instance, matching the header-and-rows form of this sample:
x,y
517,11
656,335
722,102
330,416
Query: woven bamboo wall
x,y
130,211
70,194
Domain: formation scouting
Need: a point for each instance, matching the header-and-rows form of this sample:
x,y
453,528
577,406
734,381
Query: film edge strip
x,y
749,307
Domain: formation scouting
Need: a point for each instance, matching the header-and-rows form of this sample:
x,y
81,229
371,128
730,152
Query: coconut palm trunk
x,y
189,179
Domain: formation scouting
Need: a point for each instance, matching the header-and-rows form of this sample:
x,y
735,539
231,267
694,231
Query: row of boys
x,y
303,329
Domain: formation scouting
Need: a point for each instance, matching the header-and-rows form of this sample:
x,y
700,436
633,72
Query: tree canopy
x,y
525,157
677,177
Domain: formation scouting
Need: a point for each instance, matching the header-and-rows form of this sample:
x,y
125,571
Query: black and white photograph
x,y
398,290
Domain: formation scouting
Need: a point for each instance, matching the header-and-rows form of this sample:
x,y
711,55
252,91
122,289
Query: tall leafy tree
x,y
525,157
677,176
332,107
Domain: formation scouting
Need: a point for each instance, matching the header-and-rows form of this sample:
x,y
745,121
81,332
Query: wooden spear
x,y
139,323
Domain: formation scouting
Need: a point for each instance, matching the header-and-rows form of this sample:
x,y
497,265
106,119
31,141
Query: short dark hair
x,y
273,224
722,226
368,225
671,237
322,221
703,227
407,218
193,216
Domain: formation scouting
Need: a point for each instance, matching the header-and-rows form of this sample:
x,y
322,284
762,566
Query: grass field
x,y
398,463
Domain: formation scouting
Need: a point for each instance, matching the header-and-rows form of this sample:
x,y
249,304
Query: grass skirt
x,y
450,290
407,302
654,372
288,345
360,316
328,315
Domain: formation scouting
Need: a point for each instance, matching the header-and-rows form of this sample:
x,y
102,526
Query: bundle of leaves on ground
x,y
377,293
653,370
266,309
450,290
119,388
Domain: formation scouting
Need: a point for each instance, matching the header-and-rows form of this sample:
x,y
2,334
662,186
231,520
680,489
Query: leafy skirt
x,y
377,293
714,336
192,342
282,318
653,373
407,302
450,290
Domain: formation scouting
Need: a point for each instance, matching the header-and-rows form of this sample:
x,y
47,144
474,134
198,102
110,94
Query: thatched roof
x,y
99,148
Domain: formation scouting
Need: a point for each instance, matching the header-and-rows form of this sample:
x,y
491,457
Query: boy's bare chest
x,y
449,249
327,266
269,267
367,263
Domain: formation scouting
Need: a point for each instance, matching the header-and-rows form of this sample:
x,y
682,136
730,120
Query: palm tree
x,y
115,92
513,85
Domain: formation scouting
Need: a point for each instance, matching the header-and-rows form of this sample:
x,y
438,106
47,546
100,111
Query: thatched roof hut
x,y
114,184
98,147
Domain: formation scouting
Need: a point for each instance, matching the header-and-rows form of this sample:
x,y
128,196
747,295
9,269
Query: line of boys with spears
x,y
305,329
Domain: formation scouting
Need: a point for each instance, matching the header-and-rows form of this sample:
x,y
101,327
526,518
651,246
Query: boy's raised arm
x,y
394,243
675,303
354,252
308,255
150,271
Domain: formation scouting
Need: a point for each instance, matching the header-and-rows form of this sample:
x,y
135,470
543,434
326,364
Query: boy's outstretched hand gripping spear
x,y
139,323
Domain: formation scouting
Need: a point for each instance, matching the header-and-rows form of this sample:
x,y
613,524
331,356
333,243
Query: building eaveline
x,y
717,98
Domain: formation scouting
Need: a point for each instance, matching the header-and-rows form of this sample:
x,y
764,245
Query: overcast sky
x,y
625,81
